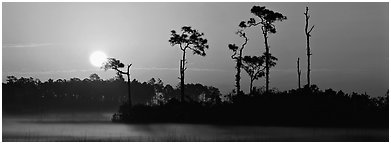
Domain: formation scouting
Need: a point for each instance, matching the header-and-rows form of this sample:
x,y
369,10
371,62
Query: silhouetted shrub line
x,y
300,107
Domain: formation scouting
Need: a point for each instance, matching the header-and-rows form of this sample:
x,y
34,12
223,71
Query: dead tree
x,y
307,33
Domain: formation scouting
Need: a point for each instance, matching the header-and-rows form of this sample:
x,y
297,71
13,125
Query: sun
x,y
97,58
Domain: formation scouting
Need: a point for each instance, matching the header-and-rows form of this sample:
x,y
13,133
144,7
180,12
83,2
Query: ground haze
x,y
98,127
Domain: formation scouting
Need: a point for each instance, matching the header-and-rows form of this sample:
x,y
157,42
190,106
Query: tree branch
x,y
255,24
245,41
232,56
191,48
180,46
120,71
187,46
311,29
129,68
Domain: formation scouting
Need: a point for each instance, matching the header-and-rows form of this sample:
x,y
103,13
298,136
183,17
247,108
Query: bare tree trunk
x,y
129,97
182,69
238,66
298,72
308,35
267,61
308,62
251,85
180,77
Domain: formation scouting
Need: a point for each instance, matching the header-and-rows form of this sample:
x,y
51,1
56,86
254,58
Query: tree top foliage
x,y
254,60
233,47
254,66
272,59
268,17
189,38
112,63
266,14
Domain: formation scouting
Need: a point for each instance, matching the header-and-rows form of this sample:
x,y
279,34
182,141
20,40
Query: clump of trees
x,y
308,106
256,66
30,95
266,23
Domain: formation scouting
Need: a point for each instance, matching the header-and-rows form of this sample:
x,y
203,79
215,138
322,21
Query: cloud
x,y
29,45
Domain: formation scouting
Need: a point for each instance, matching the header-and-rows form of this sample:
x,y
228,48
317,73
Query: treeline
x,y
29,95
155,102
306,106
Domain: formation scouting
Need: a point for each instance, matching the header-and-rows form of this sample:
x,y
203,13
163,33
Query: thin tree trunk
x,y
129,97
267,61
298,72
308,61
251,86
238,66
183,76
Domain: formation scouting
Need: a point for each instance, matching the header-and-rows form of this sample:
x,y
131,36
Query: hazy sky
x,y
54,40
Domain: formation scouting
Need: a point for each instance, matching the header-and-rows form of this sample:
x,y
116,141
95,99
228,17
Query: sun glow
x,y
97,58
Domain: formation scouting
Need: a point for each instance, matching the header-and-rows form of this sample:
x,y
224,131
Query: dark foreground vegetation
x,y
308,106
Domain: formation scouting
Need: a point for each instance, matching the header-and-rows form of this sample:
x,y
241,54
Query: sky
x,y
349,42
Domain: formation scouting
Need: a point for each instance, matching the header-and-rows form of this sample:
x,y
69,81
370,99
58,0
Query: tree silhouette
x,y
115,64
267,18
237,56
308,35
94,77
11,79
254,66
188,39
